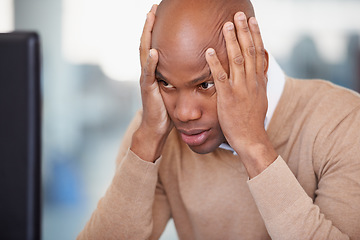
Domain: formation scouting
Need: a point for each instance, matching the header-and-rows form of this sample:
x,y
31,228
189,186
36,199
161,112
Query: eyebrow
x,y
192,82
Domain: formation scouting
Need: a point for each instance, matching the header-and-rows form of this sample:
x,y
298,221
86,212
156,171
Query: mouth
x,y
194,137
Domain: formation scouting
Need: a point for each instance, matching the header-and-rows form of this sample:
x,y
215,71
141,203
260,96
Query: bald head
x,y
184,29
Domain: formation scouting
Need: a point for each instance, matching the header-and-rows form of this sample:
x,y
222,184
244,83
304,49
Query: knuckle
x,y
239,60
146,72
245,28
261,51
257,30
142,80
233,37
251,51
222,76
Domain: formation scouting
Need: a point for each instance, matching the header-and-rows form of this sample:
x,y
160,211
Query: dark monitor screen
x,y
20,153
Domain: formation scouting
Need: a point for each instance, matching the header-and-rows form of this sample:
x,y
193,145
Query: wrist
x,y
147,145
256,157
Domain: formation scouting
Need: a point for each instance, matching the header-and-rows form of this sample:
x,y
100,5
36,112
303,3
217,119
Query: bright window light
x,y
329,23
6,15
106,33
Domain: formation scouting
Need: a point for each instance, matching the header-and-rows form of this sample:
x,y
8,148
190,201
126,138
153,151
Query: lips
x,y
194,137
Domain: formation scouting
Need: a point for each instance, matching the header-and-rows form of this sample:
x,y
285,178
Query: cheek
x,y
212,105
169,101
209,109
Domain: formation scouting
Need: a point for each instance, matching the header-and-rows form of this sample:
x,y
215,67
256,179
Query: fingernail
x,y
150,53
211,51
229,26
253,21
241,16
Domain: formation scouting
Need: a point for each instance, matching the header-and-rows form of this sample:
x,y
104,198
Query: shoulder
x,y
321,101
324,104
333,115
322,117
312,104
324,92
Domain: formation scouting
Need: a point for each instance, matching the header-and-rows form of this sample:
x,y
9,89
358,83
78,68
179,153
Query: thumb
x,y
149,69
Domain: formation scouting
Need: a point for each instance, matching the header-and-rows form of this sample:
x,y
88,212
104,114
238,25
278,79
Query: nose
x,y
187,108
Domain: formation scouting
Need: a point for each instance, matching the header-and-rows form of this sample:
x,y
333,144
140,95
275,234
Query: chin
x,y
205,148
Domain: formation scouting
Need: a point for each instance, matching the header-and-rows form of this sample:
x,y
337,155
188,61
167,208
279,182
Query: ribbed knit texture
x,y
311,191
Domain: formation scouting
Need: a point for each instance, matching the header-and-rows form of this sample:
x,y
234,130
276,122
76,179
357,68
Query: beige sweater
x,y
312,190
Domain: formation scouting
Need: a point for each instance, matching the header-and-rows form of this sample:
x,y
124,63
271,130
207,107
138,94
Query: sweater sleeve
x,y
334,213
134,205
288,212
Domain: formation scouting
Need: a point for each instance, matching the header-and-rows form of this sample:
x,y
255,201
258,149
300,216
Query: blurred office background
x,y
90,82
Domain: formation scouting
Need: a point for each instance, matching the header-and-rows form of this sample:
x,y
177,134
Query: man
x,y
287,167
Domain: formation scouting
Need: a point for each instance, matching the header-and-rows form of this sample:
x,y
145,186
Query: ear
x,y
266,62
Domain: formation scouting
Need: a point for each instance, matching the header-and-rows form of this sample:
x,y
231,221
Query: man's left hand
x,y
241,97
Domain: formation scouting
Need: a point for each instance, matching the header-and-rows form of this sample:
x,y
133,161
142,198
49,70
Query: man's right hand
x,y
148,140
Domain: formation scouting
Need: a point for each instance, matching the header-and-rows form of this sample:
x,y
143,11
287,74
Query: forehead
x,y
185,56
187,61
182,43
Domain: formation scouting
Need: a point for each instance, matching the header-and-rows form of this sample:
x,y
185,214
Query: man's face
x,y
189,93
190,99
182,33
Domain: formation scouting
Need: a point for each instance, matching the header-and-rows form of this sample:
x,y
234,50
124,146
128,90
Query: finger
x,y
222,83
145,40
246,44
236,59
259,48
153,8
148,77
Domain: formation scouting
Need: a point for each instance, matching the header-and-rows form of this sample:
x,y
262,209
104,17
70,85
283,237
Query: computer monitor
x,y
20,131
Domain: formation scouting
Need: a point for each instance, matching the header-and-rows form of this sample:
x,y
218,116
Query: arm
x,y
334,212
286,209
135,205
130,209
289,213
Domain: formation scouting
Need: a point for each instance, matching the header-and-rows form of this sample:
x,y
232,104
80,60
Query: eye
x,y
206,85
165,84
